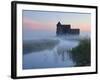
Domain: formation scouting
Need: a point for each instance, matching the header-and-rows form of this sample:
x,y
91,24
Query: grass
x,y
82,53
38,45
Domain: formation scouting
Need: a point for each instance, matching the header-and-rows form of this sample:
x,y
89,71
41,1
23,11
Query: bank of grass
x,y
82,53
38,45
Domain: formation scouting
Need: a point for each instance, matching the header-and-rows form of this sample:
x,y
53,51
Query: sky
x,y
47,20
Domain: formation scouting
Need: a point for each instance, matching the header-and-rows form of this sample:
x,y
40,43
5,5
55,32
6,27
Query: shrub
x,y
82,53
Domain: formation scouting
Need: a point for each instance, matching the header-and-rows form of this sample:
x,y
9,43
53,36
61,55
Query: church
x,y
64,29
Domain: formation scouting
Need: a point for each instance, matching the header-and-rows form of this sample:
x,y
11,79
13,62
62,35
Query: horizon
x,y
47,20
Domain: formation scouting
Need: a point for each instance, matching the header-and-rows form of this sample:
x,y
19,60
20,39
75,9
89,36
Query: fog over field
x,y
46,50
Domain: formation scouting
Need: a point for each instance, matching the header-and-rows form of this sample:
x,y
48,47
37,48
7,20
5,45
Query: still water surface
x,y
58,56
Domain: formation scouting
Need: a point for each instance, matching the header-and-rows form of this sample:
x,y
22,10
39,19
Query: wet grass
x,y
38,45
82,53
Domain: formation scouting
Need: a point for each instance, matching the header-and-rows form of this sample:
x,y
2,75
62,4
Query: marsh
x,y
52,52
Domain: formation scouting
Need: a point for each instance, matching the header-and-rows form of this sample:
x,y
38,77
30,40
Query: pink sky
x,y
83,27
51,26
38,25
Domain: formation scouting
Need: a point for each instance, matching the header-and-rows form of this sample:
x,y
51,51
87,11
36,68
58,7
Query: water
x,y
53,56
56,57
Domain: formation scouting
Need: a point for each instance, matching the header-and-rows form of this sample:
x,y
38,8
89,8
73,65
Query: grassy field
x,y
82,53
38,45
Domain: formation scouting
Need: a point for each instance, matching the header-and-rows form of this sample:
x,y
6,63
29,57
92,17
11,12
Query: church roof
x,y
59,23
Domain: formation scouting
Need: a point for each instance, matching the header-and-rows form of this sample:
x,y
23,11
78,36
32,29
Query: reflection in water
x,y
63,53
51,58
